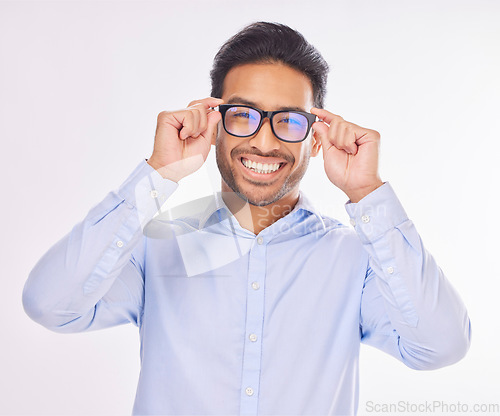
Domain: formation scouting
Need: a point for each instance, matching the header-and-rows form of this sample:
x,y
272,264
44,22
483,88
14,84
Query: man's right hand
x,y
184,137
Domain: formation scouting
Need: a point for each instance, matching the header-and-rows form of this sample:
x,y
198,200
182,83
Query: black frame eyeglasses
x,y
287,125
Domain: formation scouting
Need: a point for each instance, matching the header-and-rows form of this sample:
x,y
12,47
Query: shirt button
x,y
365,218
154,193
119,243
249,391
253,337
260,240
255,286
390,270
353,223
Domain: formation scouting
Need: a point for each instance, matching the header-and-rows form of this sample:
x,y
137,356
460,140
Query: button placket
x,y
252,352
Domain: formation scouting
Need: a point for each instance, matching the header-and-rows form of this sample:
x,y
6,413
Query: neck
x,y
256,218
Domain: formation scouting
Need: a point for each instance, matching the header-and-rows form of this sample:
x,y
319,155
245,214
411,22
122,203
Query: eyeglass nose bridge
x,y
263,115
269,115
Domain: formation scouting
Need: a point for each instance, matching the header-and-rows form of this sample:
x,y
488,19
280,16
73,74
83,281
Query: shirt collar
x,y
217,206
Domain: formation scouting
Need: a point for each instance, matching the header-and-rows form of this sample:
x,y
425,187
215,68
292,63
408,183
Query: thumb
x,y
321,134
211,132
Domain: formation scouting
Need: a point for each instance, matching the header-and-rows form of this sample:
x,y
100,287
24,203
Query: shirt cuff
x,y
146,190
376,214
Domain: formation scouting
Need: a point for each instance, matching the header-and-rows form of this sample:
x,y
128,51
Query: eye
x,y
243,113
290,120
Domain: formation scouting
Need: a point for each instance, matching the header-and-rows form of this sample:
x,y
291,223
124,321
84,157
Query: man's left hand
x,y
350,154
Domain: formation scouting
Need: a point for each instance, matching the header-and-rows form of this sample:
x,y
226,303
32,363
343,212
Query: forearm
x,y
422,306
71,278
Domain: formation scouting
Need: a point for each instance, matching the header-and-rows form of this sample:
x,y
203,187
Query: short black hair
x,y
264,42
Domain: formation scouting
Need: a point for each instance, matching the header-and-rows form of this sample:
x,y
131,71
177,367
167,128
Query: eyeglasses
x,y
244,121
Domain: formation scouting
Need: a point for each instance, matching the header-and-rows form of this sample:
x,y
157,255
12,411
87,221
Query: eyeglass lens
x,y
244,121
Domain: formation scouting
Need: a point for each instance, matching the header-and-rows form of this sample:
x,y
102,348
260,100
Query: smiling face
x,y
270,87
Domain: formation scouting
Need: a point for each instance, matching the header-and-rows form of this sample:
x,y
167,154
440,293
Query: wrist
x,y
358,194
164,171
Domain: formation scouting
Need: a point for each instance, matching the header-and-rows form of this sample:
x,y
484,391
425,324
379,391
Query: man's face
x,y
269,87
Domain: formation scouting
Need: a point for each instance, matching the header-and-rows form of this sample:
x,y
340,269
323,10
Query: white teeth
x,y
260,167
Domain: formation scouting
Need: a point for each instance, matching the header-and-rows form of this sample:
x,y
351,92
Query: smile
x,y
263,168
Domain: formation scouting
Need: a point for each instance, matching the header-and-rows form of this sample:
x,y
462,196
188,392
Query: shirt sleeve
x,y
409,309
93,277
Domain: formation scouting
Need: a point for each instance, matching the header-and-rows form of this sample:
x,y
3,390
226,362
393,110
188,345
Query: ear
x,y
315,144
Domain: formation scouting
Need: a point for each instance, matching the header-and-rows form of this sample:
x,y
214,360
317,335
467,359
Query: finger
x,y
196,122
322,131
339,135
203,120
207,102
326,115
189,120
343,134
186,119
347,138
329,117
201,114
213,119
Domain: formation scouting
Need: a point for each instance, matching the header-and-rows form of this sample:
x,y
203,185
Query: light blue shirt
x,y
233,323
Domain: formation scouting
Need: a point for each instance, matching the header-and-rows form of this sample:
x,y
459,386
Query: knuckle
x,y
333,136
346,125
194,114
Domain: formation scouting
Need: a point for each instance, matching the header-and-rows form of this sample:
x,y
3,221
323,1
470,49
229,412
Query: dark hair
x,y
264,42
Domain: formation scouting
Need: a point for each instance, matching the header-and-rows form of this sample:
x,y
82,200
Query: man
x,y
253,302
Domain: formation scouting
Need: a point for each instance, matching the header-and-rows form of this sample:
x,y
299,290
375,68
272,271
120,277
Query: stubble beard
x,y
254,198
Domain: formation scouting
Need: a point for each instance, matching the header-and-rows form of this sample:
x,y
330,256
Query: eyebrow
x,y
240,100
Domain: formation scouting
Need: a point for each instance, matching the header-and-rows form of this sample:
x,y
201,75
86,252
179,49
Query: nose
x,y
264,139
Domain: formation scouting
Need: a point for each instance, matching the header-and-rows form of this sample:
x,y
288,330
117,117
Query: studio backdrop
x,y
81,86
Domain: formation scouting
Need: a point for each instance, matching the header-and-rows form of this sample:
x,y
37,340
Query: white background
x,y
81,85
